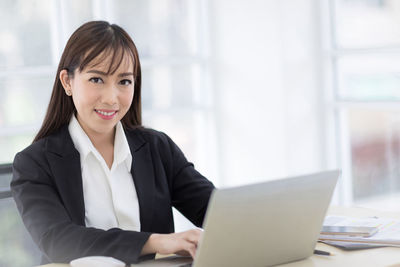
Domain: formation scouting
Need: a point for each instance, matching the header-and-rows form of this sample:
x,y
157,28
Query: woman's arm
x,y
50,225
190,190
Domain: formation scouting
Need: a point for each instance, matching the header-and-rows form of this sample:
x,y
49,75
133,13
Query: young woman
x,y
94,181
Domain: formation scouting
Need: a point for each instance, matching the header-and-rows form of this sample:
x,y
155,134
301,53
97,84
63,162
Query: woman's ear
x,y
66,82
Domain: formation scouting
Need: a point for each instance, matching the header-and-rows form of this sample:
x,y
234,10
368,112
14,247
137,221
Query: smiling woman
x,y
101,98
91,51
94,181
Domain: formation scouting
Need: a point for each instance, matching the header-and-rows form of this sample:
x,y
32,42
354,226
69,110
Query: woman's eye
x,y
96,80
125,82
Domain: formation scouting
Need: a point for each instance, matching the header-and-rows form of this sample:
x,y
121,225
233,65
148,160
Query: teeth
x,y
105,113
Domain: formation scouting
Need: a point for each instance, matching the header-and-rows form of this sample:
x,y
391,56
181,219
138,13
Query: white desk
x,y
375,257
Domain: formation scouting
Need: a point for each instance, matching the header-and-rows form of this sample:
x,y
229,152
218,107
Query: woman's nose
x,y
109,96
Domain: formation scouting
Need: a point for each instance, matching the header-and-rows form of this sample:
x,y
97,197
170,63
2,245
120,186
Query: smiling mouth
x,y
106,114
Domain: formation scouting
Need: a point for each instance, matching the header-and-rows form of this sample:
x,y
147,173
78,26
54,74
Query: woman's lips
x,y
106,114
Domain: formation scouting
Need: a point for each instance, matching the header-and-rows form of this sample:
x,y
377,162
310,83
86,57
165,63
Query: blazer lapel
x,y
64,161
143,175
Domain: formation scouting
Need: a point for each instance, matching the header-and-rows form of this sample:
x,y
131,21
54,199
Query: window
x,y
171,37
365,70
172,42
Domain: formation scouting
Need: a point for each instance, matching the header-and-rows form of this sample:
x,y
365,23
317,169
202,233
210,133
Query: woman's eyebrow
x,y
125,74
97,72
105,74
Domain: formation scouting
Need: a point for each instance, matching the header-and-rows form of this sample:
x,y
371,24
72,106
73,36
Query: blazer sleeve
x,y
190,191
45,217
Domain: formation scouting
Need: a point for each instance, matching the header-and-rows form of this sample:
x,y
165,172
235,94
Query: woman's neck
x,y
104,143
101,139
98,139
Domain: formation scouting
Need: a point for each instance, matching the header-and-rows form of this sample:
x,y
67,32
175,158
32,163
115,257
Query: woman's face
x,y
102,100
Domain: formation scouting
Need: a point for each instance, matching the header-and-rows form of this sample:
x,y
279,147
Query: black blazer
x,y
47,188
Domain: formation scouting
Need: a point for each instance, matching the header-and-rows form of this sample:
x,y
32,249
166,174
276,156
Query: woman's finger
x,y
191,248
193,236
183,253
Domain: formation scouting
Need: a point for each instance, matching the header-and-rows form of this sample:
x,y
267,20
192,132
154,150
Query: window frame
x,y
338,139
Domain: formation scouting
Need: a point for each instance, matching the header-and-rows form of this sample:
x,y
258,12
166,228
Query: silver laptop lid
x,y
267,223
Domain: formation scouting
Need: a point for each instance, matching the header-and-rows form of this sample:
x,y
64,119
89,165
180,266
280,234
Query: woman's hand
x,y
184,243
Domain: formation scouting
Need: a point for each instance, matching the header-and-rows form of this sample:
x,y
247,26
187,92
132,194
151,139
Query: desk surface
x,y
375,257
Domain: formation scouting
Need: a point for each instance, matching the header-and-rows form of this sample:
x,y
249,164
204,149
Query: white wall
x,y
265,56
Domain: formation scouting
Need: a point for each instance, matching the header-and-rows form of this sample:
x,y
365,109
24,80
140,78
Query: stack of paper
x,y
387,235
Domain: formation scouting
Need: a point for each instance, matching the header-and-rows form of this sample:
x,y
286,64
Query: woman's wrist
x,y
151,246
184,243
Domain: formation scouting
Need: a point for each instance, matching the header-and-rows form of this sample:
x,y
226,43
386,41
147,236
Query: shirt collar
x,y
122,151
84,146
81,141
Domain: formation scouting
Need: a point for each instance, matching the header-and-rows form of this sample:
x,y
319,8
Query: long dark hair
x,y
84,45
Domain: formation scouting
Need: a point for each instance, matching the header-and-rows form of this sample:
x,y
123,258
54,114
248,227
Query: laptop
x,y
263,224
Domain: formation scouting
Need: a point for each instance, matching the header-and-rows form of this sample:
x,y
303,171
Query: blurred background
x,y
251,90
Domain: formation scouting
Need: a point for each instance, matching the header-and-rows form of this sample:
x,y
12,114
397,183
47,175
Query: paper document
x,y
348,245
388,233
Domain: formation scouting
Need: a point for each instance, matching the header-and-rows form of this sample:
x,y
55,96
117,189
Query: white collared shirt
x,y
109,194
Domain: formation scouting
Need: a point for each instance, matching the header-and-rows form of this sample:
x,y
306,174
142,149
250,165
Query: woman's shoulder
x,y
149,135
158,140
57,141
31,156
34,148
